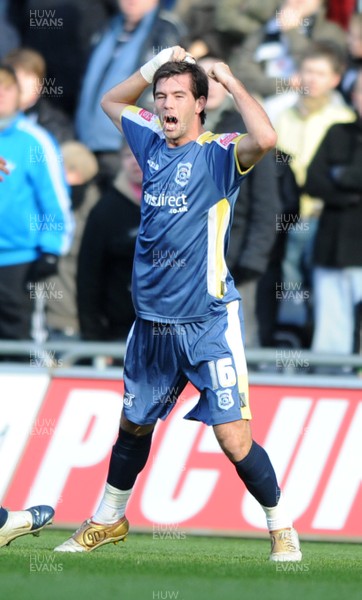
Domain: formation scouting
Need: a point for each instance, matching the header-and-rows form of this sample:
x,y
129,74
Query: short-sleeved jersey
x,y
179,271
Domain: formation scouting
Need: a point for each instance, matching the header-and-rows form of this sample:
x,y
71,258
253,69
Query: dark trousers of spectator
x,y
16,305
267,304
247,292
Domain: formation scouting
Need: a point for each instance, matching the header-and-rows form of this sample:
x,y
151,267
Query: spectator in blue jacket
x,y
35,216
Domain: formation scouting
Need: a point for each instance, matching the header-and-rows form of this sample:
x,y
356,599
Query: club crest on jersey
x,y
225,399
128,399
183,173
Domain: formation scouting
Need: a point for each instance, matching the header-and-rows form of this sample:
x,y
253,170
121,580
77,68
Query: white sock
x,y
277,517
112,506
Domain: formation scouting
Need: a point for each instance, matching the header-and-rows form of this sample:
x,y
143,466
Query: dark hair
x,y
329,50
199,81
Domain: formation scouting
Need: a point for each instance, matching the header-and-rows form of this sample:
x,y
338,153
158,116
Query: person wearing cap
x,y
36,222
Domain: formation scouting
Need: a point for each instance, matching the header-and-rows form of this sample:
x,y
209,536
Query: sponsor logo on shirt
x,y
177,203
183,173
146,115
226,139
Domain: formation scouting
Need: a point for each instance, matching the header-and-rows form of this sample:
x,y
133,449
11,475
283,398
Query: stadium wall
x,y
57,431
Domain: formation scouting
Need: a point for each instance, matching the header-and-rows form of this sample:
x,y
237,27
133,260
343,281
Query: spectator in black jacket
x,y
270,286
335,175
253,231
106,257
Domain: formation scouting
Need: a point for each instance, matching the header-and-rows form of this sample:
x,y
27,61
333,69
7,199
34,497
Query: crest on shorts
x,y
225,399
183,173
128,399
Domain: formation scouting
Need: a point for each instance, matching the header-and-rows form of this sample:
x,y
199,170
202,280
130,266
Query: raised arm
x,y
261,136
128,91
123,94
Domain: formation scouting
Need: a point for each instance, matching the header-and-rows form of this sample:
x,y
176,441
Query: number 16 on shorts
x,y
223,375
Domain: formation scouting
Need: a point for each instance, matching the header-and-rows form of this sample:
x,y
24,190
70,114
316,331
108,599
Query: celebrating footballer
x,y
191,179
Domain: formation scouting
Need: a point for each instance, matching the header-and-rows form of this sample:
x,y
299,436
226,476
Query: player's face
x,y
178,110
318,77
9,96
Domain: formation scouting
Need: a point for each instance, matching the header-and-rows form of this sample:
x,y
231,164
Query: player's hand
x,y
179,54
221,73
3,168
174,53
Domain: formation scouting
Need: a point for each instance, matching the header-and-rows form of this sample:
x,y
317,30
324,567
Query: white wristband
x,y
149,68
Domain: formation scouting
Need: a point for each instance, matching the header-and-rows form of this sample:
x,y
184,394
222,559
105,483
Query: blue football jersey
x,y
179,271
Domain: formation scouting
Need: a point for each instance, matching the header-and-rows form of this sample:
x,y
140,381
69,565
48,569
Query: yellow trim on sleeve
x,y
130,107
207,137
238,166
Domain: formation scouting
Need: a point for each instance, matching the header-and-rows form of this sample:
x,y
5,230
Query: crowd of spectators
x,y
294,243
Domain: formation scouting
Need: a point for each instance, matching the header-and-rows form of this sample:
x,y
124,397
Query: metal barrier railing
x,y
97,360
71,352
48,353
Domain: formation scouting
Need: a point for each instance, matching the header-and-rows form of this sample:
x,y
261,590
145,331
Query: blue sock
x,y
3,516
257,472
129,456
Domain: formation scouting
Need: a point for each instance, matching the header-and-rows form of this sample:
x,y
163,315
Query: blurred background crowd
x,y
70,208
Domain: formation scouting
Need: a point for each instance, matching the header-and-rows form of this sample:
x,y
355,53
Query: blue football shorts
x,y
161,358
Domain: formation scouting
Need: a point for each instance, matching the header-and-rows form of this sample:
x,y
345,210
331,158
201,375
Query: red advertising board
x,y
313,436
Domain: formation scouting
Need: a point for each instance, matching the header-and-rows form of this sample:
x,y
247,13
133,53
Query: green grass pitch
x,y
184,567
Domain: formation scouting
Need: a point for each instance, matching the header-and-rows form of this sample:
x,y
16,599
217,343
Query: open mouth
x,y
170,122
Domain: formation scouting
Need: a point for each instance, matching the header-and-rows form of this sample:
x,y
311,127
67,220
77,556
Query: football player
x,y
188,325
